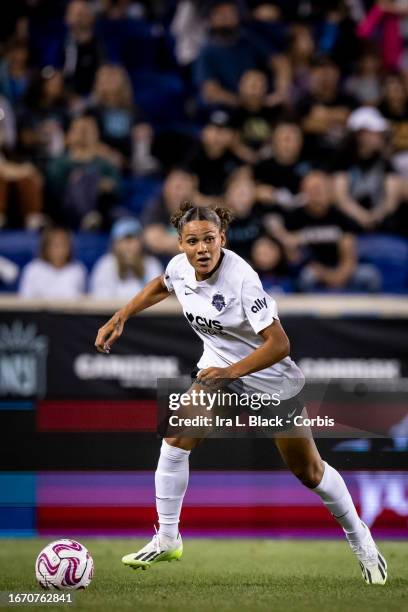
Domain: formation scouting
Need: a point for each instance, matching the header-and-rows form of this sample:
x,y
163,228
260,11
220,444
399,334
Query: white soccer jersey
x,y
227,311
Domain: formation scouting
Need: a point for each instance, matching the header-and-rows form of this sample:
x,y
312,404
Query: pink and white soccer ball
x,y
64,564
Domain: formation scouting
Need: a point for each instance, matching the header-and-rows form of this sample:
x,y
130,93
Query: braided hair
x,y
219,215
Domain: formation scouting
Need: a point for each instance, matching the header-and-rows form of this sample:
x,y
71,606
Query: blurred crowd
x,y
292,113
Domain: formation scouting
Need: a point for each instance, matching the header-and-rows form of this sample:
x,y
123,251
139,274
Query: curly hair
x,y
219,215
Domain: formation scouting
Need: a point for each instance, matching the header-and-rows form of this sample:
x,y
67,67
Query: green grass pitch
x,y
221,575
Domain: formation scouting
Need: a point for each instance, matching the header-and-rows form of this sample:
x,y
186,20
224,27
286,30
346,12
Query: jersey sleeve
x,y
260,309
171,273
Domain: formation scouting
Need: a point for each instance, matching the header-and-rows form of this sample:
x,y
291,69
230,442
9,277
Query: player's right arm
x,y
151,294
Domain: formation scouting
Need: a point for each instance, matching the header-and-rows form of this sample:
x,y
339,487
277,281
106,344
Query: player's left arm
x,y
275,347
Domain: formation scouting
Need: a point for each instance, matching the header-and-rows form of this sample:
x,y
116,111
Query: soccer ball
x,y
64,564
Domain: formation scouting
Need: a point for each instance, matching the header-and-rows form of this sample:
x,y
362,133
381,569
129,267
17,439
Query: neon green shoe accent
x,y
151,554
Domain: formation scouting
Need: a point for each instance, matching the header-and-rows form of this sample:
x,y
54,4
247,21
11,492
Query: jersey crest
x,y
218,301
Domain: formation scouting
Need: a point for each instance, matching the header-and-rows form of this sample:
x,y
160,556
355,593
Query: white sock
x,y
337,499
171,480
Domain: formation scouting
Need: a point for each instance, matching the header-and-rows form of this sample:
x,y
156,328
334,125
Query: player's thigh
x,y
189,410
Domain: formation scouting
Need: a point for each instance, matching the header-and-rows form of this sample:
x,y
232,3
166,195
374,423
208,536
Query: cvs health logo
x,y
205,325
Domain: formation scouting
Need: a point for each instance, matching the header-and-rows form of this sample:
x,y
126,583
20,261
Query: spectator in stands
x,y
267,24
83,181
254,116
334,25
301,50
14,72
365,84
394,107
27,184
366,189
269,260
132,38
229,53
8,127
213,160
54,274
319,236
324,111
246,226
159,235
119,122
20,180
126,269
44,117
112,105
390,41
189,29
278,177
13,21
9,272
82,52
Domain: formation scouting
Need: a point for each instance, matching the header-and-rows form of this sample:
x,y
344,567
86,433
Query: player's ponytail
x,y
219,215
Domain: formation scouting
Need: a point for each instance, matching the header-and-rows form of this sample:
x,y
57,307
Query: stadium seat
x,y
390,255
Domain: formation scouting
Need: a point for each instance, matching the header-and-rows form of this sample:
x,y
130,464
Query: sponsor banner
x,y
53,355
217,503
96,415
50,354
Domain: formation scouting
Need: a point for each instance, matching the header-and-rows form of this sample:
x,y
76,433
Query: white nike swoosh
x,y
290,414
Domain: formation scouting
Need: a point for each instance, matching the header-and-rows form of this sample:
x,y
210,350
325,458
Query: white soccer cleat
x,y
372,563
158,549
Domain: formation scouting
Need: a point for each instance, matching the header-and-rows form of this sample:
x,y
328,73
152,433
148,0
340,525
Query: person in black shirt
x,y
255,116
247,235
367,190
324,111
82,53
269,260
394,107
318,234
278,177
213,161
44,117
246,226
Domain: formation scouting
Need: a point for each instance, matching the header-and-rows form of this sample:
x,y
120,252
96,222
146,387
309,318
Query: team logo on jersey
x,y
259,304
218,301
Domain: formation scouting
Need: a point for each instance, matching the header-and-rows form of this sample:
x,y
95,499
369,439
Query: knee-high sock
x,y
337,499
171,481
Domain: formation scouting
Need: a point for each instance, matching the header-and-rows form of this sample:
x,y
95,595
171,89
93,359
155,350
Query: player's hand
x,y
109,333
213,377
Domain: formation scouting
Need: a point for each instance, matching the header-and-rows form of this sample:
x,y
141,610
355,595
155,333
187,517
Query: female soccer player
x,y
214,284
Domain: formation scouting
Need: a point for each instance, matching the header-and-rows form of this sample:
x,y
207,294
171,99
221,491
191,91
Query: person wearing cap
x,y
126,269
367,191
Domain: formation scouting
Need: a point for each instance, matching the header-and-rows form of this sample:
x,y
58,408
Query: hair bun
x,y
219,215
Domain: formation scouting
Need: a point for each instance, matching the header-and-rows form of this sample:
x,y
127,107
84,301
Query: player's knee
x,y
184,443
310,474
